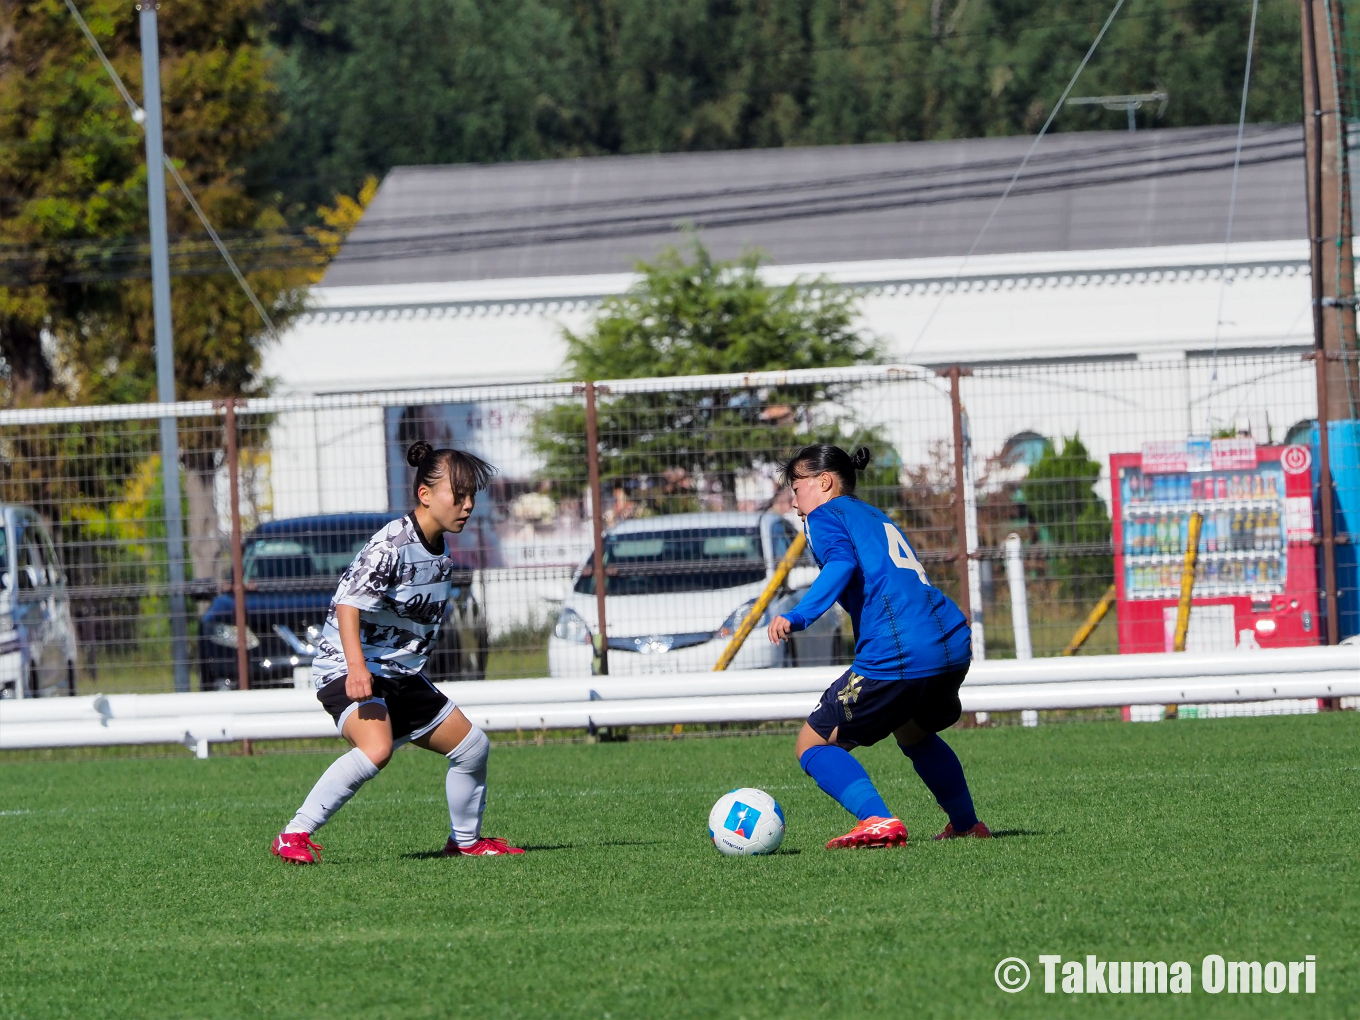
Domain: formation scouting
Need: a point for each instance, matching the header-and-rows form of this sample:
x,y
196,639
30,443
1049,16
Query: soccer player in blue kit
x,y
913,647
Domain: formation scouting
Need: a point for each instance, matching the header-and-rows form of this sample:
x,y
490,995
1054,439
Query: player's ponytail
x,y
821,457
466,472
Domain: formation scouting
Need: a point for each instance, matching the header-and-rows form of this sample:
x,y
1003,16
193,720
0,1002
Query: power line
x,y
1232,191
945,290
94,261
139,117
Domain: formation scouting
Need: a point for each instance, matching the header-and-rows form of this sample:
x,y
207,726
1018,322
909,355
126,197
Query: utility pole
x,y
165,350
1329,205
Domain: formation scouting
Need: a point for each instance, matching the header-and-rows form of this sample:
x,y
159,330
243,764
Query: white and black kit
x,y
401,587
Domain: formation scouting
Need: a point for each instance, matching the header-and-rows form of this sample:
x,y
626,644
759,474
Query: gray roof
x,y
836,203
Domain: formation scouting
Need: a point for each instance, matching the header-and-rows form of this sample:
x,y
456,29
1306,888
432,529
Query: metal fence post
x,y
597,525
238,579
1319,357
960,508
1015,578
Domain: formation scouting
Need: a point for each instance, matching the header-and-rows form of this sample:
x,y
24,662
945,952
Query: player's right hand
x,y
359,684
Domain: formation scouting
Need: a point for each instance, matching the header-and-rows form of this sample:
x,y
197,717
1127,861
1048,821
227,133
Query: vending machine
x,y
1255,576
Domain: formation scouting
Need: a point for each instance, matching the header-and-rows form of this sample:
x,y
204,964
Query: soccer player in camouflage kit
x,y
382,624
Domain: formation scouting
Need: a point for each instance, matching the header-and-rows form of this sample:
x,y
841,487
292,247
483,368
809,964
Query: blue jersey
x,y
904,626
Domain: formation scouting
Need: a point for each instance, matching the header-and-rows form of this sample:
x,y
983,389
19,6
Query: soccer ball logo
x,y
746,822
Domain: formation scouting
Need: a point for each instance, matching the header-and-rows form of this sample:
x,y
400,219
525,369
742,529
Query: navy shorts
x,y
865,711
414,705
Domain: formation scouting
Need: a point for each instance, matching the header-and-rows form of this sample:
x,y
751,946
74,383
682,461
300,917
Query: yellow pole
x,y
1092,621
1187,580
781,571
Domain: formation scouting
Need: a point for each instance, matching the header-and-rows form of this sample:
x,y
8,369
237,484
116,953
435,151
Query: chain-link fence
x,y
1094,467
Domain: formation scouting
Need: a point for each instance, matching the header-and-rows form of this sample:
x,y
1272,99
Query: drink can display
x,y
1257,553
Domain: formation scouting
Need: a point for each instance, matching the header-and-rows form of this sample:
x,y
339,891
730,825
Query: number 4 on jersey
x,y
901,552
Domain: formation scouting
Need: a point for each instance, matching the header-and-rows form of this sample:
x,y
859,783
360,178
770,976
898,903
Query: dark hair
x,y
466,472
819,457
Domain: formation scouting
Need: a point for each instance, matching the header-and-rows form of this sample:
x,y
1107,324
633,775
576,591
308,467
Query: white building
x,y
1110,246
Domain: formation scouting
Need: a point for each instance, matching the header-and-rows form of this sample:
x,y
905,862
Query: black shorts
x,y
414,705
865,711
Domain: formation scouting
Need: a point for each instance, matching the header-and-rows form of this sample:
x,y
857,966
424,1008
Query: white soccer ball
x,y
746,822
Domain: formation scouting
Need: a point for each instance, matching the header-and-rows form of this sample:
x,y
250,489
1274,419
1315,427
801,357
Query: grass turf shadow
x,y
425,855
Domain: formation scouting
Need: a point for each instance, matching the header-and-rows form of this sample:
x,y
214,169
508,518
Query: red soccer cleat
x,y
872,832
485,847
978,831
296,848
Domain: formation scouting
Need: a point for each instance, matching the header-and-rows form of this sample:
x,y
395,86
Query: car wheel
x,y
70,679
210,681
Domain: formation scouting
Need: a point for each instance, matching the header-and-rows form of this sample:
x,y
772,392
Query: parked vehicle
x,y
37,634
291,569
678,588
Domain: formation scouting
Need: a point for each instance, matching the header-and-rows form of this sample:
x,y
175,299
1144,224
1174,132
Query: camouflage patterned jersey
x,y
400,586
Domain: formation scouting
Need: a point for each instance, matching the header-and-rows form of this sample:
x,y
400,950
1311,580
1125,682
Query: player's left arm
x,y
838,566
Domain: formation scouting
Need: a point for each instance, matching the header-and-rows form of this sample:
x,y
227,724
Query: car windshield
x,y
320,554
660,562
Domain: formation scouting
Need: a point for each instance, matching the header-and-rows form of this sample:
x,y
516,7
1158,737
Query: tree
x,y
75,301
1059,494
370,84
693,317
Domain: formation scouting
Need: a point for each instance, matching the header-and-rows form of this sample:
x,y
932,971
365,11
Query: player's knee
x,y
379,753
471,754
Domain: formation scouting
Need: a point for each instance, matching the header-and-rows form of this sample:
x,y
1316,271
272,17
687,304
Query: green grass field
x,y
142,888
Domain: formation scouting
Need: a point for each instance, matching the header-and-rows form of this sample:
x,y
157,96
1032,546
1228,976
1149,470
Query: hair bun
x,y
417,452
860,458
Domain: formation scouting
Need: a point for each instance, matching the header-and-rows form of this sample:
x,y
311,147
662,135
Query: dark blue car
x,y
291,570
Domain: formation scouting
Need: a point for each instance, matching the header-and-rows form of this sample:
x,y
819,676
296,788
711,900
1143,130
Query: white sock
x,y
465,785
333,790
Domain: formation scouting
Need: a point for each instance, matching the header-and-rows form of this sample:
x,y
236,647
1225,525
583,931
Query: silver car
x,y
37,634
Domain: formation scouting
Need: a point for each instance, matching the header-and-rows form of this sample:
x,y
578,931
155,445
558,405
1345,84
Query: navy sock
x,y
840,776
939,768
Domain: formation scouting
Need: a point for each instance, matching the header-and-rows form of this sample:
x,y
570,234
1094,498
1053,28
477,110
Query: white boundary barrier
x,y
198,720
